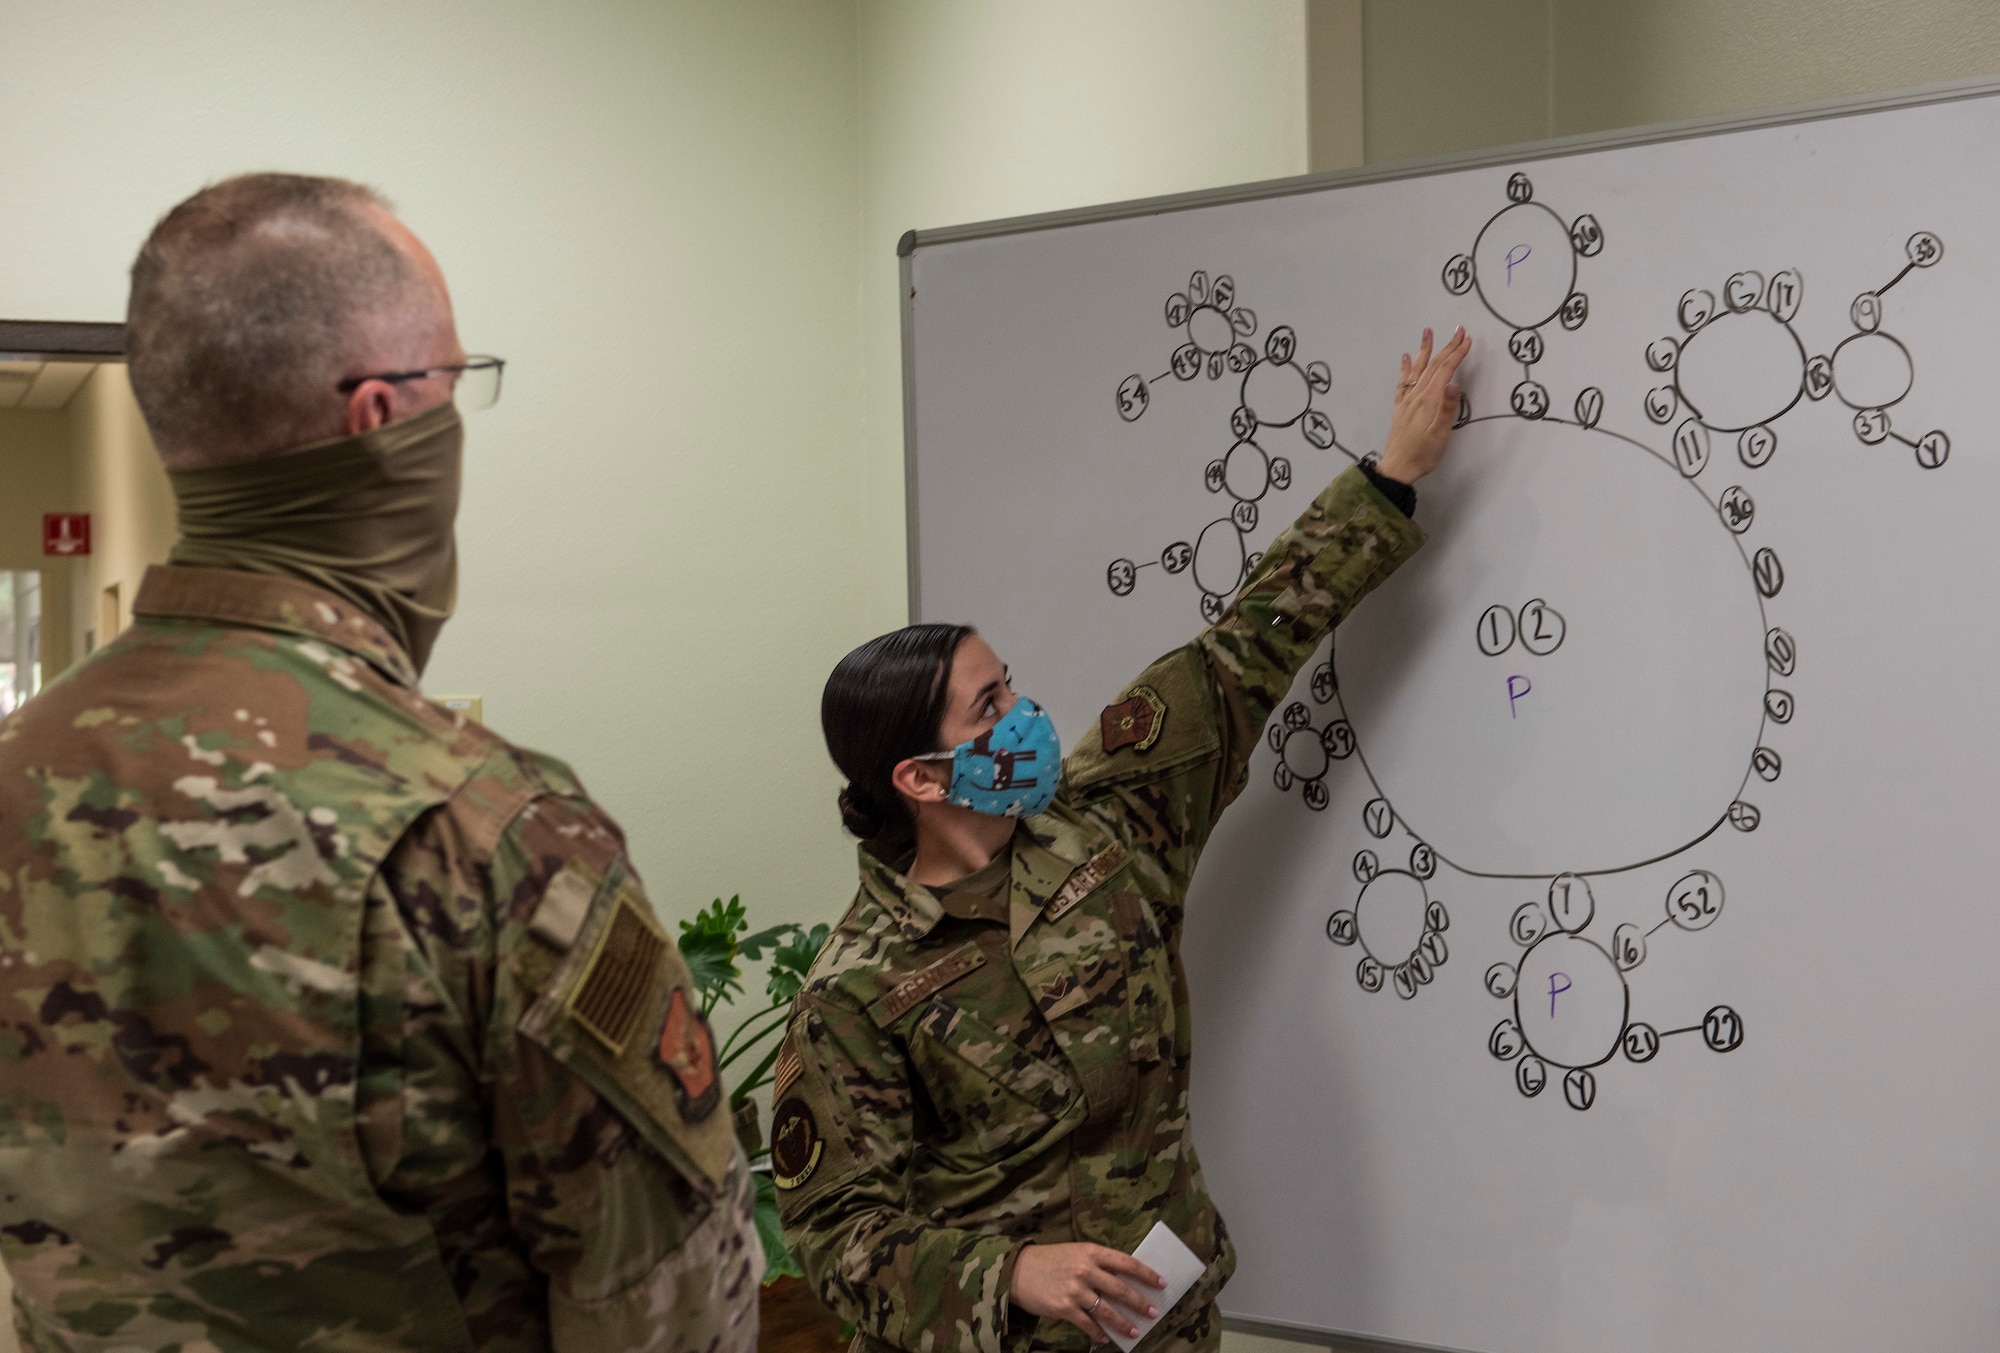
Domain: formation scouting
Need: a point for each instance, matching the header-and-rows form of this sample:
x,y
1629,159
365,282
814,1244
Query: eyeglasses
x,y
475,382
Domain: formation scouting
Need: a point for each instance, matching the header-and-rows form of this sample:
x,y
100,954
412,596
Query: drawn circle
x,y
1505,1041
1322,682
1756,447
1571,902
1580,1089
1542,628
1495,631
1561,777
1695,900
1872,371
1871,426
1924,249
1722,1029
1133,397
1529,923
1122,575
1379,818
1219,561
1530,1075
1277,392
1570,1002
1741,368
1177,556
1369,974
1340,928
1210,330
1642,1043
1736,508
1212,607
1500,979
1304,755
1524,265
1628,947
1866,312
1245,472
1743,290
1933,449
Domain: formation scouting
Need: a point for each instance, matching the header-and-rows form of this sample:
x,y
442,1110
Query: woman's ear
x,y
916,780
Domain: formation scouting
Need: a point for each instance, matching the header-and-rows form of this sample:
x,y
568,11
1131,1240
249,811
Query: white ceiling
x,y
35,384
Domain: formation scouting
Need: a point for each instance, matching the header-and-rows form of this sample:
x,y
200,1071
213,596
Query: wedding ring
x,y
1095,1304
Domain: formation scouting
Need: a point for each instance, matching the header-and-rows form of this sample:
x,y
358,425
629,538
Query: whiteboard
x,y
1601,956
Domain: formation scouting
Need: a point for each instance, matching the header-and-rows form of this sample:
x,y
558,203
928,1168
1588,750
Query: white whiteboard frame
x,y
1556,148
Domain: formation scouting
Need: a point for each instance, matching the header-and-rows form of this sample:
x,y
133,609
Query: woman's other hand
x,y
1086,1285
1426,406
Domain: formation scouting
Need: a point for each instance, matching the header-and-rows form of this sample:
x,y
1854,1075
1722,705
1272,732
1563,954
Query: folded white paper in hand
x,y
1162,1252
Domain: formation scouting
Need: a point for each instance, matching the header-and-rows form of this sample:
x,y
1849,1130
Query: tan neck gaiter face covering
x,y
368,518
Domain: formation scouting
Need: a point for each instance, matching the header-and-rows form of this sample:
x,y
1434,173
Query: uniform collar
x,y
1045,851
227,596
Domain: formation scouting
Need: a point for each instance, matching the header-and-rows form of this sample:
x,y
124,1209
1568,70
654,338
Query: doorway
x,y
20,639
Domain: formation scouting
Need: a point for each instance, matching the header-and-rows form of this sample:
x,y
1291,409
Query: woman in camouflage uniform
x,y
981,1103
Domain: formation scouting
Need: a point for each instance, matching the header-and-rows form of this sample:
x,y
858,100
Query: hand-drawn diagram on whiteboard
x,y
1275,391
1583,675
1576,577
1572,1009
1523,266
1741,366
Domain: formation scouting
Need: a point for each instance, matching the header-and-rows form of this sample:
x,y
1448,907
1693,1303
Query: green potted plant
x,y
712,943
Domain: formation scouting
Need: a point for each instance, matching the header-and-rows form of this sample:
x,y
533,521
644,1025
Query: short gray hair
x,y
249,300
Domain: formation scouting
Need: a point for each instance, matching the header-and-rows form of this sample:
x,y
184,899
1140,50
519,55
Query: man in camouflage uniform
x,y
329,1018
1004,1060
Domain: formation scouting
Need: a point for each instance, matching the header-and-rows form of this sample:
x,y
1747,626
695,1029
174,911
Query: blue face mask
x,y
1011,769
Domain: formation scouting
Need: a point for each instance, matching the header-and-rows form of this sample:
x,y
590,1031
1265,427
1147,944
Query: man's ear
x,y
369,405
916,780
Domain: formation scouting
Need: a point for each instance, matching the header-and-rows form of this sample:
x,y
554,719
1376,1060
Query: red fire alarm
x,y
65,534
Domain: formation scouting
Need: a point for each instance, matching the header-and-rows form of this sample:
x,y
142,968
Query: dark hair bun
x,y
859,813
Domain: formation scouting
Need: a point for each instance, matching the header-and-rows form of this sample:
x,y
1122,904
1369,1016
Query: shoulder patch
x,y
785,1070
796,1144
565,902
1162,724
1084,881
912,989
612,994
687,1051
1136,721
622,1011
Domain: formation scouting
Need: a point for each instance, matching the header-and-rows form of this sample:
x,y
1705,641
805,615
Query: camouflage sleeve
x,y
553,1043
1193,718
842,1135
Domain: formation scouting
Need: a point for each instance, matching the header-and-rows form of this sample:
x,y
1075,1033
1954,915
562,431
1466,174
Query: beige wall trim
x,y
62,339
904,248
1338,1343
1556,148
1336,105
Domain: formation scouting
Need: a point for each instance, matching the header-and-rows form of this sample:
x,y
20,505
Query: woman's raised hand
x,y
1098,1290
1426,406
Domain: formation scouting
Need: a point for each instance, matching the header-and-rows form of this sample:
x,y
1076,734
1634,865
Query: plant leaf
x,y
792,960
778,1261
708,943
752,947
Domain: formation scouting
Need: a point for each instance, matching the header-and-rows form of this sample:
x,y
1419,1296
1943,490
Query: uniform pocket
x,y
991,1096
